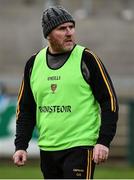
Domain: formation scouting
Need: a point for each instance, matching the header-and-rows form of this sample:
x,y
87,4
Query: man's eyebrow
x,y
64,26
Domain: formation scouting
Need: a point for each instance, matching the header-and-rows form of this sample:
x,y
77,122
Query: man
x,y
67,92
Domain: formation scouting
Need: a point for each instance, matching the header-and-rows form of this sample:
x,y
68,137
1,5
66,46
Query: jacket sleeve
x,y
104,92
26,110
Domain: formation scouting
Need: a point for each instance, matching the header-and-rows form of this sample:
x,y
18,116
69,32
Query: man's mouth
x,y
68,40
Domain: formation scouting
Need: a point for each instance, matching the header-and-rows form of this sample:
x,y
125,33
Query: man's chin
x,y
68,47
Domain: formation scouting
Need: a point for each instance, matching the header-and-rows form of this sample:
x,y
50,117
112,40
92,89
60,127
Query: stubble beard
x,y
62,48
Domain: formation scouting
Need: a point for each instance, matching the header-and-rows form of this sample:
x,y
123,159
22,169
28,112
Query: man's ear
x,y
48,38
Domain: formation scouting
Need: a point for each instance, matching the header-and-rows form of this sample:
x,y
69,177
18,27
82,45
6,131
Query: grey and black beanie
x,y
53,17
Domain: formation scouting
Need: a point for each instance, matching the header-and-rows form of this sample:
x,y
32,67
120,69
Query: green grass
x,y
114,172
32,171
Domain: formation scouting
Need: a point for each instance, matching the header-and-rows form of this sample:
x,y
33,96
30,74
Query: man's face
x,y
61,39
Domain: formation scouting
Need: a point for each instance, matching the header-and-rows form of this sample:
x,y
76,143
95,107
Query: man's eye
x,y
71,27
62,28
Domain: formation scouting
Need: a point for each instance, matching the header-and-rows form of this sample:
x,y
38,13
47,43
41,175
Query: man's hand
x,y
100,153
20,157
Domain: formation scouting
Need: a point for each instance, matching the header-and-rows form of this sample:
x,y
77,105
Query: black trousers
x,y
73,163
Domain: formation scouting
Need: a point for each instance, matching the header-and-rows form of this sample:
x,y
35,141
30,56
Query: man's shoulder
x,y
31,60
89,55
90,52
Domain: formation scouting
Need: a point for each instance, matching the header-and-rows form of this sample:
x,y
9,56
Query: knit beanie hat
x,y
53,17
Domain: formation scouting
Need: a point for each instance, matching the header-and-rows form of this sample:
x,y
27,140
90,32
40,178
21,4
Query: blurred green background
x,y
109,170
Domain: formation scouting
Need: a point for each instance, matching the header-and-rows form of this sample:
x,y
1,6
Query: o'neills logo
x,y
53,109
53,87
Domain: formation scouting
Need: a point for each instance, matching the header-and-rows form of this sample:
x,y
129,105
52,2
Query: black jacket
x,y
96,76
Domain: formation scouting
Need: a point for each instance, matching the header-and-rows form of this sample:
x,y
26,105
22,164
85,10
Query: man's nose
x,y
69,31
